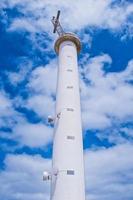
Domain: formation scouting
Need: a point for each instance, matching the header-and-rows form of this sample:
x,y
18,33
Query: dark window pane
x,y
70,172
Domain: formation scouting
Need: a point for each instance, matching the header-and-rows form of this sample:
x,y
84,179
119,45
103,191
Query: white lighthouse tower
x,y
67,177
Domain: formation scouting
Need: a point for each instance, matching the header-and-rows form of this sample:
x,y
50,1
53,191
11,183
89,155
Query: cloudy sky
x,y
28,75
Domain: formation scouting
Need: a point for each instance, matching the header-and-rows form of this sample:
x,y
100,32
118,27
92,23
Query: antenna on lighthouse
x,y
57,26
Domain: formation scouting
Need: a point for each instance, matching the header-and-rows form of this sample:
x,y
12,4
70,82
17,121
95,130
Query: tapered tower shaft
x,y
68,167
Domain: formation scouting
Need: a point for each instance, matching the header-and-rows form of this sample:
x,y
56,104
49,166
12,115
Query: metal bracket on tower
x,y
51,120
57,26
48,175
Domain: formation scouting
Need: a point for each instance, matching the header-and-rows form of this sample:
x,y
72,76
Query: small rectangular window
x,y
69,87
69,70
70,172
70,109
70,137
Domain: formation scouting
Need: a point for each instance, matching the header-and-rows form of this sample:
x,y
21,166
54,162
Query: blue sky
x,y
28,75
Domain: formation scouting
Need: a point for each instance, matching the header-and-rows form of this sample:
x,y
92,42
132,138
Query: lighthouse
x,y
67,176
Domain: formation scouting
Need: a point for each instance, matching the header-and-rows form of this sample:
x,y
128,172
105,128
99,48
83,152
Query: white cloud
x,y
32,135
22,178
42,105
42,87
5,104
22,24
109,173
128,131
6,110
43,79
27,134
99,13
22,131
117,135
108,97
23,69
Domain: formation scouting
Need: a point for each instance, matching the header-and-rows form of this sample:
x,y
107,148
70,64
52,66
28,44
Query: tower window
x,y
70,172
70,137
70,109
69,70
69,87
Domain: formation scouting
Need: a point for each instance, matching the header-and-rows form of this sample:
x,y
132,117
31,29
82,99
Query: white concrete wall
x,y
68,148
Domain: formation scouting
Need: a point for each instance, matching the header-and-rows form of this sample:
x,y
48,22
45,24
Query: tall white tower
x,y
67,179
